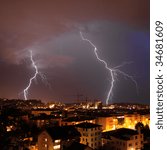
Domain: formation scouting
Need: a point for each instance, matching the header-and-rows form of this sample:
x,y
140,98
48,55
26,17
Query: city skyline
x,y
51,30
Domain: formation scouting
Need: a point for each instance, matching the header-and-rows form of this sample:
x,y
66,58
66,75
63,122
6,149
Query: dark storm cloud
x,y
25,24
120,29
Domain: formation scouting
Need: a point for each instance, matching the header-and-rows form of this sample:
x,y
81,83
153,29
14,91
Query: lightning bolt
x,y
113,71
32,78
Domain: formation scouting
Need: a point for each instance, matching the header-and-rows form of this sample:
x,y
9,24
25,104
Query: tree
x,y
139,126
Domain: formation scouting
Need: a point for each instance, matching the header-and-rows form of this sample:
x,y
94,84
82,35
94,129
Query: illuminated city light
x,y
56,147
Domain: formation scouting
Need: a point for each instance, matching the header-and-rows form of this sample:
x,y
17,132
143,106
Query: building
x,y
45,120
145,119
98,105
57,138
77,120
122,139
90,134
130,120
107,122
37,112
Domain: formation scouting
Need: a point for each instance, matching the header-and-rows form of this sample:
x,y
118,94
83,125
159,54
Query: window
x,y
57,141
92,139
56,147
83,139
130,144
86,139
92,145
136,137
136,143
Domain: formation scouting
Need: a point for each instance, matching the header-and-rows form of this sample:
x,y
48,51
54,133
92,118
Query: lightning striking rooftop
x,y
113,71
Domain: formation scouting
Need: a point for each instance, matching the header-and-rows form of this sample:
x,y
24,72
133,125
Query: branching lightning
x,y
37,73
32,78
113,71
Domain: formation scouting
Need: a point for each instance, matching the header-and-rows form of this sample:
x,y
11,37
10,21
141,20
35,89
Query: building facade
x,y
130,120
107,122
90,134
123,139
57,138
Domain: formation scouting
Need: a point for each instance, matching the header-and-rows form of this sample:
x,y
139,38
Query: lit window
x,y
57,141
56,147
46,139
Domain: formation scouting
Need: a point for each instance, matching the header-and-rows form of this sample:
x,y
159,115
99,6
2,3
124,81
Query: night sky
x,y
50,28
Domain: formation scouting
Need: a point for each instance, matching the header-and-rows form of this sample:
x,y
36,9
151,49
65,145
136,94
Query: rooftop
x,y
76,145
63,132
44,117
87,125
78,118
122,133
